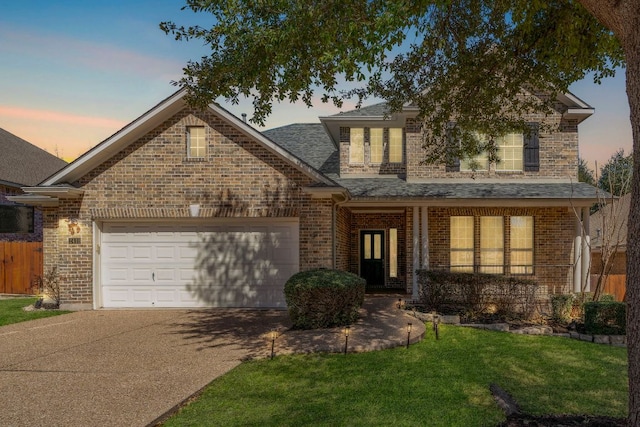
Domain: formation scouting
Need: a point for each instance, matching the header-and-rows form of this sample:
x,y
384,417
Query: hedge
x,y
605,318
477,293
323,298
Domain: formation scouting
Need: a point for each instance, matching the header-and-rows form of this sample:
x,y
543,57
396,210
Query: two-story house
x,y
186,208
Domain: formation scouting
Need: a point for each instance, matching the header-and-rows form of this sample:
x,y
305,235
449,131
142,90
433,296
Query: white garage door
x,y
223,264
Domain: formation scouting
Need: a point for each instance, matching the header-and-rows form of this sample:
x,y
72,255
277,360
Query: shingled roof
x,y
310,143
23,163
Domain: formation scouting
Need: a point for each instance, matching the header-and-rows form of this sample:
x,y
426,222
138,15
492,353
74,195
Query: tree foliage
x,y
615,175
479,63
585,174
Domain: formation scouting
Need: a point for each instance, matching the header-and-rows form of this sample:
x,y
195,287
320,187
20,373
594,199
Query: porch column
x,y
577,258
416,251
586,251
425,237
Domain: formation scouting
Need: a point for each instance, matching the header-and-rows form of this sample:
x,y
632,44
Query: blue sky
x,y
74,72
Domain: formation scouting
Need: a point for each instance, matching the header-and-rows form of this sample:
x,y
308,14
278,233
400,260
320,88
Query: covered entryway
x,y
221,263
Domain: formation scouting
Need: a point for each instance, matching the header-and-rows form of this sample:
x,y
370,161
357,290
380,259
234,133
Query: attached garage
x,y
217,263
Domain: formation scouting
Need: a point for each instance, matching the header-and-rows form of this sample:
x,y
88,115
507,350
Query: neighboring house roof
x,y
23,163
609,224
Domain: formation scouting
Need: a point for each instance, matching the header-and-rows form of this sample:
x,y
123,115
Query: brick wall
x,y
558,153
343,239
154,178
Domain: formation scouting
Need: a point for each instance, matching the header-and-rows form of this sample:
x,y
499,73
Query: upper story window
x,y
356,145
510,153
196,144
395,145
376,141
517,152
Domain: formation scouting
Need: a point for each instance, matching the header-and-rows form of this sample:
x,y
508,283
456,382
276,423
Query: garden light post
x,y
346,331
409,325
273,334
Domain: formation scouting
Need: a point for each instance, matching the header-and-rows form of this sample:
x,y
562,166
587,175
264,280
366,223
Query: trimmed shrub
x,y
561,307
605,318
323,298
477,293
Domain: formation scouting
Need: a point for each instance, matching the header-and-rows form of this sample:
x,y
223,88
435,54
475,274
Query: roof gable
x,y
149,121
23,163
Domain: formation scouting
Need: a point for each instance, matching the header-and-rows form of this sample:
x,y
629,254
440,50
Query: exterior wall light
x,y
194,210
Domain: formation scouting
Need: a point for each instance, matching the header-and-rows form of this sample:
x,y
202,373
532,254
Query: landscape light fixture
x,y
273,334
409,325
347,331
399,302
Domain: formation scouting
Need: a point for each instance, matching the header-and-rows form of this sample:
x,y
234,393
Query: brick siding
x,y
153,178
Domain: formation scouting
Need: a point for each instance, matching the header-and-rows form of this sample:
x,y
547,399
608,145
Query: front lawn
x,y
11,311
435,383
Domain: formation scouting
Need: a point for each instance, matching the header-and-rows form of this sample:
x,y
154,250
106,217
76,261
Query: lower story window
x,y
462,243
393,252
485,251
521,245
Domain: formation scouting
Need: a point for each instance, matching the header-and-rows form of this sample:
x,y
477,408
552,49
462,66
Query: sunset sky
x,y
74,73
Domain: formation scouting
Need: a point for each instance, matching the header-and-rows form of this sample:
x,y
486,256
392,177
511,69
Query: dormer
x,y
371,142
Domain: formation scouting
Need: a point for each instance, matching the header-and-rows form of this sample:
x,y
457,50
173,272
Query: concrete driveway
x,y
121,368
131,367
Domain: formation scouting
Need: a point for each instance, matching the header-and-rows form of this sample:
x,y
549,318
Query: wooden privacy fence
x,y
20,266
615,284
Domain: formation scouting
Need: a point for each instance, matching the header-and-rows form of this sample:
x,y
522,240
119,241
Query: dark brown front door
x,y
372,257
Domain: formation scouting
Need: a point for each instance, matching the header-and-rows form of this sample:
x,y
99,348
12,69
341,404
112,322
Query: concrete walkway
x,y
130,367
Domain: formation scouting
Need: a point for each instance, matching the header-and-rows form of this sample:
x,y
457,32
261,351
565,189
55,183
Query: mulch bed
x,y
524,420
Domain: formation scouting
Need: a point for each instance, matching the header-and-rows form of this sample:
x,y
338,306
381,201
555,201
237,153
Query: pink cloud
x,y
59,117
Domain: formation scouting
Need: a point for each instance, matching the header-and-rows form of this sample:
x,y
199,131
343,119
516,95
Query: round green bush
x,y
323,298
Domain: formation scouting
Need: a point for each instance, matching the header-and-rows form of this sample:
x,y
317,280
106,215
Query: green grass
x,y
435,383
11,311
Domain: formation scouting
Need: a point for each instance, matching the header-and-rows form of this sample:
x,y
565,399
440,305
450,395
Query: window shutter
x,y
532,149
453,164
